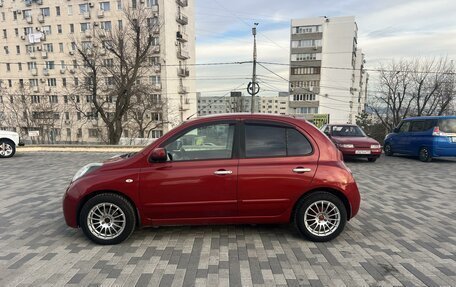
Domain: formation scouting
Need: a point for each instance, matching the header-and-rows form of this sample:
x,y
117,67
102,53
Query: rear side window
x,y
447,126
274,141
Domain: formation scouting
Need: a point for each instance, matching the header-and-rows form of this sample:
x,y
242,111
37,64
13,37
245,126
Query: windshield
x,y
448,126
347,131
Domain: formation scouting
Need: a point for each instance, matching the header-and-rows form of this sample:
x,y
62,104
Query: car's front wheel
x,y
321,216
107,218
7,148
388,150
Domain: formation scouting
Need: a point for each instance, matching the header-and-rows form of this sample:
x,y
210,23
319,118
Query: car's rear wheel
x,y
321,216
7,148
388,150
425,155
107,219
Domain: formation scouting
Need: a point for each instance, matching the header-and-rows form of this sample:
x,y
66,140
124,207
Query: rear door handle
x,y
222,172
301,169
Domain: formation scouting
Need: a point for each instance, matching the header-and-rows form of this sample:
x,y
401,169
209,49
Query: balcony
x,y
100,13
154,8
157,87
36,89
181,36
183,72
44,54
32,55
34,72
182,3
88,33
157,68
29,19
182,89
181,19
183,55
47,89
41,18
86,15
156,30
46,71
156,49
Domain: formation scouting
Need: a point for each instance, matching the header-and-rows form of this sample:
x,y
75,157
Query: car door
x,y
199,178
277,165
400,140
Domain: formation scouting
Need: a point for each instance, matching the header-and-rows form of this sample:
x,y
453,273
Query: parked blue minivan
x,y
425,137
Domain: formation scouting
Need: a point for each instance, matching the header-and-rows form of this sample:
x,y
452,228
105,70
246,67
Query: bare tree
x,y
413,88
26,109
146,114
114,65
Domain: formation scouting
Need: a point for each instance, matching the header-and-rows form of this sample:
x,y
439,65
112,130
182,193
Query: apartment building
x,y
327,76
37,63
238,103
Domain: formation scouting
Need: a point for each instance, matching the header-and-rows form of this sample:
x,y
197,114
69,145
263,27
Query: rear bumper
x,y
444,152
443,147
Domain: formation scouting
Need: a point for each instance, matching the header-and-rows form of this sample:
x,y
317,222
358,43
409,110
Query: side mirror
x,y
158,155
395,130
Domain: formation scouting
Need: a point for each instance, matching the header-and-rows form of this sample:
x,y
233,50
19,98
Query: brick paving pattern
x,y
405,234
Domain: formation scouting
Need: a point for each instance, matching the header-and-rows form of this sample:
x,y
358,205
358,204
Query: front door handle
x,y
301,169
222,172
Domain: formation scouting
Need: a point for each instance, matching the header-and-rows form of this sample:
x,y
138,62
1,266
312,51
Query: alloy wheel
x,y
322,218
5,149
106,220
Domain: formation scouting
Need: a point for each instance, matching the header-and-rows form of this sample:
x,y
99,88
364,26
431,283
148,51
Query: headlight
x,y
346,145
86,169
375,146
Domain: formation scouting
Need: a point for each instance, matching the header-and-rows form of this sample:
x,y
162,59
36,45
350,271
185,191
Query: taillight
x,y
437,132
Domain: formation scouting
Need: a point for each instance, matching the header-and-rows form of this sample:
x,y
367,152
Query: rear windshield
x,y
447,125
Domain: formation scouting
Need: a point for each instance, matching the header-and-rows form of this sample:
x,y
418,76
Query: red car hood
x,y
356,141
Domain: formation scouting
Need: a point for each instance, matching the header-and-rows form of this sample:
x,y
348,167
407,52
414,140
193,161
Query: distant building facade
x,y
238,103
327,76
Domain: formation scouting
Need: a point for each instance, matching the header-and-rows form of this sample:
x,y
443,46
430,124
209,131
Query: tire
x,y
372,159
388,150
425,155
107,213
7,148
309,207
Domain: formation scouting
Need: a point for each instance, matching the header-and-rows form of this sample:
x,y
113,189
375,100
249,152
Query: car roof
x,y
343,125
430,118
251,116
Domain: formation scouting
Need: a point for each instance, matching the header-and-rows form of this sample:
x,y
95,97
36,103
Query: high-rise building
x,y
238,103
327,76
37,52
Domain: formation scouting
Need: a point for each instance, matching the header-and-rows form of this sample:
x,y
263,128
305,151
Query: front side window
x,y
404,127
274,141
203,143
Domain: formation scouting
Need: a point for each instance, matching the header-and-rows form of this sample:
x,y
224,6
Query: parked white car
x,y
8,143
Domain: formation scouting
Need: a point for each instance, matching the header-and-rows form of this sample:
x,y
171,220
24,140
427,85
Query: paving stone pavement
x,y
404,234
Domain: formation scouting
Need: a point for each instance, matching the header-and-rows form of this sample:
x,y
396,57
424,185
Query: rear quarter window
x,y
447,125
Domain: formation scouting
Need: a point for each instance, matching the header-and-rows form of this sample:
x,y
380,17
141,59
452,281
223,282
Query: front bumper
x,y
70,208
361,152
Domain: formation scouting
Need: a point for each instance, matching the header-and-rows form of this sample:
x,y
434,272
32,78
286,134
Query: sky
x,y
387,30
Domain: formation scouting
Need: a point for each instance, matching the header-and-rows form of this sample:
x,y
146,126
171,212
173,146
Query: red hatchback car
x,y
226,169
353,142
